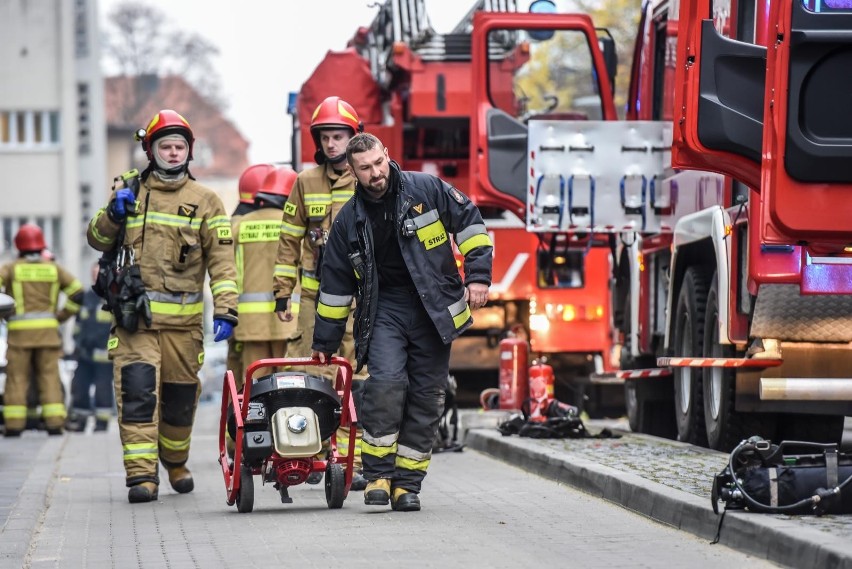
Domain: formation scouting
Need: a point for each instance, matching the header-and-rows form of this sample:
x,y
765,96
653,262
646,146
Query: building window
x,y
83,118
29,130
81,31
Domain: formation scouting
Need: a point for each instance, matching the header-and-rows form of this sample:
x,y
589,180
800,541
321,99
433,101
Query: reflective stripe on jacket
x,y
186,233
436,210
316,199
35,283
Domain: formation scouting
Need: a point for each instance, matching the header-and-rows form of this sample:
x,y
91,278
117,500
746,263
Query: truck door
x,y
525,66
728,90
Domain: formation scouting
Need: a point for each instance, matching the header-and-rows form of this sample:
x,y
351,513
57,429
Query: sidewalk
x,y
667,481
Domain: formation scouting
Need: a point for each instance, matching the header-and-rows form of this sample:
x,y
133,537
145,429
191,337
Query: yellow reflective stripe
x,y
219,221
223,286
37,323
318,199
461,318
259,231
103,316
342,196
140,451
173,309
310,283
256,307
291,229
170,444
333,312
53,410
95,233
36,273
74,287
171,220
15,412
474,242
72,306
285,271
432,235
378,452
411,464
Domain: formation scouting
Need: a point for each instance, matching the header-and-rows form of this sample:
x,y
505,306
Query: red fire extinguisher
x,y
541,381
514,381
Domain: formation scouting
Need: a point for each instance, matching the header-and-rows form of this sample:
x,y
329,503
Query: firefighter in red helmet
x,y
256,236
34,344
250,181
317,196
175,232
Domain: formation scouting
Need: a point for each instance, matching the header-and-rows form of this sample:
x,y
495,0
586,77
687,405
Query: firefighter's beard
x,y
377,187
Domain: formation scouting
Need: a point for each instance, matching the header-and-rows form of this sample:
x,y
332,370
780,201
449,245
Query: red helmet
x,y
334,112
165,122
29,238
279,182
251,179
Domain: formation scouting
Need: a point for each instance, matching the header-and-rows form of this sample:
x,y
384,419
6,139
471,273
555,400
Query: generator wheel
x,y
335,486
245,495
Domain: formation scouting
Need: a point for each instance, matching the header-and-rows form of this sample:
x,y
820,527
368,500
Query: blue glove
x,y
124,200
223,329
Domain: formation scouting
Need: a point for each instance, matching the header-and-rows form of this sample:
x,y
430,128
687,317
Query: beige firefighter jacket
x,y
180,232
35,283
256,236
314,202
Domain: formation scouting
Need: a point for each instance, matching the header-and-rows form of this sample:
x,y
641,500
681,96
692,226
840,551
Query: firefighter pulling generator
x,y
278,423
423,93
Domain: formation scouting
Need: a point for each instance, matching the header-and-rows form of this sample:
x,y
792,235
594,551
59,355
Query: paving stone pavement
x,y
71,511
668,481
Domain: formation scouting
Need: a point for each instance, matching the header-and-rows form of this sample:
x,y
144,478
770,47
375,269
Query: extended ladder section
x,y
597,176
406,21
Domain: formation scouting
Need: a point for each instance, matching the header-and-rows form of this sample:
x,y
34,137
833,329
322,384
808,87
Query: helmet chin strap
x,y
336,159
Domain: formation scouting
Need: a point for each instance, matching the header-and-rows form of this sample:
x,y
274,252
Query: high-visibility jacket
x,y
316,198
35,283
181,231
432,209
256,237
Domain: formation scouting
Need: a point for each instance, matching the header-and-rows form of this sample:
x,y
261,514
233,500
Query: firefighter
x,y
176,230
317,197
256,235
250,181
34,344
91,333
390,248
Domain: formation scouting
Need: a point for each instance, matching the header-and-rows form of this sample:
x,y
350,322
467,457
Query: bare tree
x,y
140,42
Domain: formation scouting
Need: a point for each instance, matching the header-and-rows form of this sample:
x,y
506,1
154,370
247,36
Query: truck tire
x,y
689,329
725,426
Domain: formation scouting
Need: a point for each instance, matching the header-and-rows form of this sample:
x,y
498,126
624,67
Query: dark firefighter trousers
x,y
403,397
157,390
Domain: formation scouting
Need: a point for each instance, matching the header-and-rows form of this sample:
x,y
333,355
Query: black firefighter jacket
x,y
434,209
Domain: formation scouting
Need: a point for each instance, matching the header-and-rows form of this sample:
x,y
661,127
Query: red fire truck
x,y
729,192
415,89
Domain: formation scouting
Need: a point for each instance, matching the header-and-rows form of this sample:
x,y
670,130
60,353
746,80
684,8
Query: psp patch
x,y
457,195
223,234
290,208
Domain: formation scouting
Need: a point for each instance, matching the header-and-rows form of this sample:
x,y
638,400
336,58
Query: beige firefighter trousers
x,y
157,390
43,364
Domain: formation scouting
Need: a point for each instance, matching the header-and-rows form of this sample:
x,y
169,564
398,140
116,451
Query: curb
x,y
773,537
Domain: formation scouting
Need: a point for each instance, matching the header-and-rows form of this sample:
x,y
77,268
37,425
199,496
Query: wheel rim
x,y
715,376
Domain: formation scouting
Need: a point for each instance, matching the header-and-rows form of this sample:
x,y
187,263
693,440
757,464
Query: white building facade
x,y
52,125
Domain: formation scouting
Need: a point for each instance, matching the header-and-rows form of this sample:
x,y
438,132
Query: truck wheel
x,y
650,409
726,427
690,317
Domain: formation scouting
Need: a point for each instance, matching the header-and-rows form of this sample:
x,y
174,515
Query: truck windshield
x,y
548,77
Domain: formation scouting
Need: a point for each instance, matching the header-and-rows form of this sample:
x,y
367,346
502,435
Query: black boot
x,y
405,501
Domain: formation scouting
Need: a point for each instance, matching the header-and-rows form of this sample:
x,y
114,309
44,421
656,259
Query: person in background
x,y
390,249
94,370
318,195
177,232
34,345
250,180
